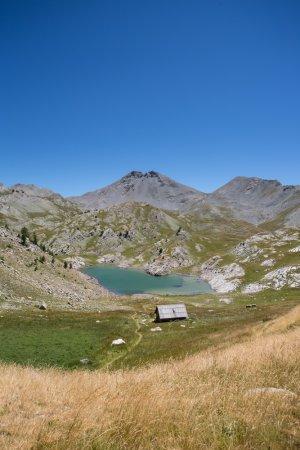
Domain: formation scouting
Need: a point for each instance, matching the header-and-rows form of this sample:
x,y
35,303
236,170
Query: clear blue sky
x,y
199,90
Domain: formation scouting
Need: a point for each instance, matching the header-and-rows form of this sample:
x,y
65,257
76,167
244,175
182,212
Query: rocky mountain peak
x,y
150,187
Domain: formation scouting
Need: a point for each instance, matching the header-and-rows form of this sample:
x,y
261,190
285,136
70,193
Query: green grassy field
x,y
56,338
45,338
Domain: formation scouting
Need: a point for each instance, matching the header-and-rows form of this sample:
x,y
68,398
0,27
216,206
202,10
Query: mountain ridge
x,y
251,199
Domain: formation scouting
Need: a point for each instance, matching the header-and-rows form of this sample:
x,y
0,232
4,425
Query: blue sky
x,y
201,91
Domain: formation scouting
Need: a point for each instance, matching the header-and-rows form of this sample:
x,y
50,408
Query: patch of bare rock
x,y
285,276
268,263
277,279
222,278
245,251
295,249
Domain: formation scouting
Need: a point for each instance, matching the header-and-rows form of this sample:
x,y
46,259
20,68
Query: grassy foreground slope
x,y
217,399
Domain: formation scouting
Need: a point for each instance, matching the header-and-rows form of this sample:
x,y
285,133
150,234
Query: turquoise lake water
x,y
130,281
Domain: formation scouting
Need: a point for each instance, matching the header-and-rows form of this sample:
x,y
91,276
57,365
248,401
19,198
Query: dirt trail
x,y
129,348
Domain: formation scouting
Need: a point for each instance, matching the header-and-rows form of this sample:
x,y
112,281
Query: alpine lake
x,y
133,281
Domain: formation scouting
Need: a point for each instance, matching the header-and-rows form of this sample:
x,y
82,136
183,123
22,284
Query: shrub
x,y
24,235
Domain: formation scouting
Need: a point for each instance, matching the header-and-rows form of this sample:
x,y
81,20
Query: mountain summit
x,y
150,187
254,199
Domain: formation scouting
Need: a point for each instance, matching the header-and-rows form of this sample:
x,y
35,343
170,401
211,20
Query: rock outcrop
x,y
277,279
295,249
222,278
165,264
246,252
285,276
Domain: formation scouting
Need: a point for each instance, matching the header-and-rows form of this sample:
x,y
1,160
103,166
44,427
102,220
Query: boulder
x,y
268,263
85,361
118,342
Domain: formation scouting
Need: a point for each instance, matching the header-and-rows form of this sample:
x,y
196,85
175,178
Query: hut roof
x,y
177,311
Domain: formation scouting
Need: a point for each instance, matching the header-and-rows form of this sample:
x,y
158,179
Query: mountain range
x,y
243,236
252,199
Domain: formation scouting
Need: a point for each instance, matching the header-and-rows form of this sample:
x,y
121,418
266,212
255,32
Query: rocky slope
x,y
25,203
30,277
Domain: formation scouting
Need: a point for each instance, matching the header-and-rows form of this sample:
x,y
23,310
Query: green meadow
x,y
62,339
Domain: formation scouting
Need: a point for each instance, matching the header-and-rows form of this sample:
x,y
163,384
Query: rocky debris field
x,y
253,256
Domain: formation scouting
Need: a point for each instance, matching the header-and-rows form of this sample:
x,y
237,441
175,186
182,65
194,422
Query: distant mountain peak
x,y
255,199
150,187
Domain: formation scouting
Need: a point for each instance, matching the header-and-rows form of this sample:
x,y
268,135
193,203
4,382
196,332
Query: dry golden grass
x,y
283,322
202,402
